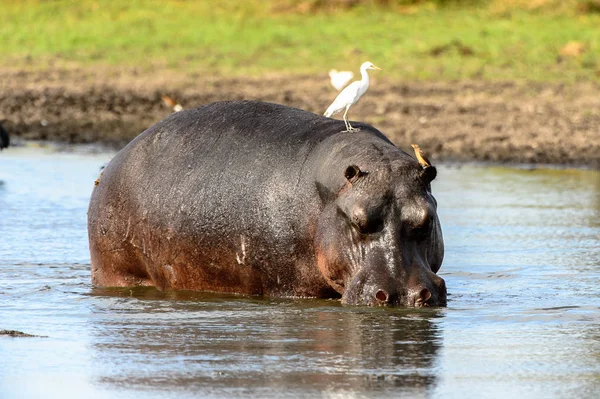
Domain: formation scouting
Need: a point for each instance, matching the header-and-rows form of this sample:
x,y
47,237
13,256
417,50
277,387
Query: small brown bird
x,y
423,161
171,103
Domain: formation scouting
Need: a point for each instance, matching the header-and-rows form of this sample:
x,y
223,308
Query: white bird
x,y
351,94
339,79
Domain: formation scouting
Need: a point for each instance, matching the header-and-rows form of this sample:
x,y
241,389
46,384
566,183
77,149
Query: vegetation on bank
x,y
544,40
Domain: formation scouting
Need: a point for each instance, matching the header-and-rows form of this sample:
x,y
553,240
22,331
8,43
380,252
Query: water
x,y
522,268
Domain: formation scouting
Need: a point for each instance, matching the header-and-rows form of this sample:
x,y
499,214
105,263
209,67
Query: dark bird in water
x,y
4,139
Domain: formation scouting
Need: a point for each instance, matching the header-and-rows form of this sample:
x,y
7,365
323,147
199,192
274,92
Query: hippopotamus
x,y
263,199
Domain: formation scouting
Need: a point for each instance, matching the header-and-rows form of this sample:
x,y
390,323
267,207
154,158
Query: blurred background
x,y
486,80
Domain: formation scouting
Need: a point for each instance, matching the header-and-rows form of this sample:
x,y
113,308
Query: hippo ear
x,y
429,173
353,172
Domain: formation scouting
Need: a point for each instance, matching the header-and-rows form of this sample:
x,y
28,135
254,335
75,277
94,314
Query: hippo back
x,y
241,160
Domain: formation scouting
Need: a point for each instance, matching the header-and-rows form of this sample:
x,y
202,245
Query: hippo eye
x,y
421,233
366,225
364,220
371,227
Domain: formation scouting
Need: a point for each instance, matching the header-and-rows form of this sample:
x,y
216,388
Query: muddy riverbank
x,y
452,121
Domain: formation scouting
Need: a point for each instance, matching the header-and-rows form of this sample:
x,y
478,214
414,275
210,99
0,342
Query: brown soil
x,y
451,121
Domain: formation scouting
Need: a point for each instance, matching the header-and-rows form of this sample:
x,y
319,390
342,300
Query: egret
x,y
339,79
351,94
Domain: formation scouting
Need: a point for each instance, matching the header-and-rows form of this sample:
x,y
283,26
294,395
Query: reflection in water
x,y
236,344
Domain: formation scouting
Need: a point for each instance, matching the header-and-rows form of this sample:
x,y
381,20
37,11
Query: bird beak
x,y
374,67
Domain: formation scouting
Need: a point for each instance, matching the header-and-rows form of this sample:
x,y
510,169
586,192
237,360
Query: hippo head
x,y
379,240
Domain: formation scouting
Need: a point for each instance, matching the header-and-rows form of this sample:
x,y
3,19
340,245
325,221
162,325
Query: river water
x,y
522,269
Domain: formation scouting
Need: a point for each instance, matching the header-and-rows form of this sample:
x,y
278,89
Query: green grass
x,y
219,38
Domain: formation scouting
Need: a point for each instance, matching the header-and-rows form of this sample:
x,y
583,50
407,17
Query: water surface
x,y
522,268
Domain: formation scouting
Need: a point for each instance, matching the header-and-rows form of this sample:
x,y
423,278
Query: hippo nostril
x,y
421,298
425,295
382,295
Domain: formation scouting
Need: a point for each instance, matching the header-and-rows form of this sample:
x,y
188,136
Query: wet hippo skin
x,y
257,198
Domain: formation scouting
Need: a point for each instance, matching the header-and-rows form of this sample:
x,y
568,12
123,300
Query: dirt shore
x,y
452,121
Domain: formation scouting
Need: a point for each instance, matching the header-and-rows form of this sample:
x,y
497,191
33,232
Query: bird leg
x,y
349,127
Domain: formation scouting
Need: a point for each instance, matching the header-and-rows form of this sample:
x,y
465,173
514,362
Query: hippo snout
x,y
432,292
